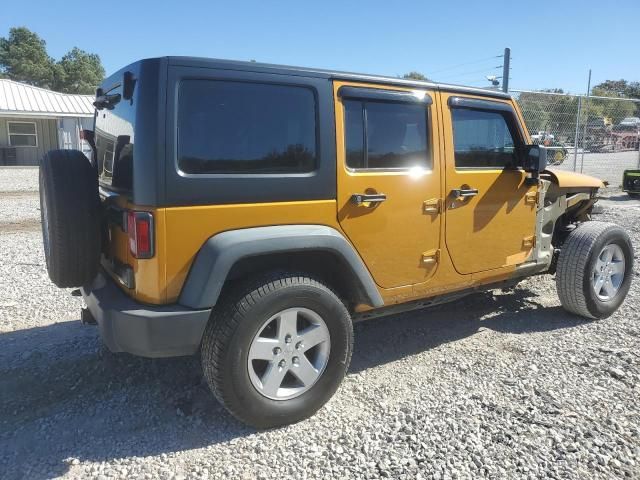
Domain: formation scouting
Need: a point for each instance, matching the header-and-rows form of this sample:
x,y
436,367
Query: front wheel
x,y
276,350
594,269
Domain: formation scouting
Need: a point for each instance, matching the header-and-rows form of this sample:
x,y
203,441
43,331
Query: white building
x,y
34,120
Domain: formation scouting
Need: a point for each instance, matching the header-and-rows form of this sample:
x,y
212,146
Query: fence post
x,y
575,141
586,120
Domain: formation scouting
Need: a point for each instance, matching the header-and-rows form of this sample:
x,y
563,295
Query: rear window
x,y
245,128
114,137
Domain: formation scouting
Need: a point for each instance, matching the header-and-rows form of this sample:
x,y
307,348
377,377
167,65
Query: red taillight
x,y
140,230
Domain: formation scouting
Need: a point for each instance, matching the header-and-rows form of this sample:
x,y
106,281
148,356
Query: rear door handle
x,y
362,198
464,192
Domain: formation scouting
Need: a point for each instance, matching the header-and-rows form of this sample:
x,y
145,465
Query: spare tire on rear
x,y
71,217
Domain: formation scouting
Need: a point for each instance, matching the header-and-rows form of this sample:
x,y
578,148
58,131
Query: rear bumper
x,y
144,330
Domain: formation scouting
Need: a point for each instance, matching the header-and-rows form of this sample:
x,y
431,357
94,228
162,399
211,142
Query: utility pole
x,y
505,70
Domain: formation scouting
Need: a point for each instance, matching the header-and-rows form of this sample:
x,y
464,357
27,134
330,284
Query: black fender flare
x,y
220,252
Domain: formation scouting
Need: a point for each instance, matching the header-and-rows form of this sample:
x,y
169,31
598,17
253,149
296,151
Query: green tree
x,y
549,113
614,110
619,88
24,58
415,76
78,72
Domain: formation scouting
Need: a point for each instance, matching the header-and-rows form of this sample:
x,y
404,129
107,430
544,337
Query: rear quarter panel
x,y
188,228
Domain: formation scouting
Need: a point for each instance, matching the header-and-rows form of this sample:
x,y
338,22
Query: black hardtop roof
x,y
329,74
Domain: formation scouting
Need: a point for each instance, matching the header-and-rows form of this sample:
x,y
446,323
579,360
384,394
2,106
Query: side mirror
x,y
534,159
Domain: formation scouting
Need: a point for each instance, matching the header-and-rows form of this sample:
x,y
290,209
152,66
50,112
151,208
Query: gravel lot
x,y
607,166
498,385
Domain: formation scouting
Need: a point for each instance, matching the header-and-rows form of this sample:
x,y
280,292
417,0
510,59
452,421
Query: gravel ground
x,y
18,179
607,166
498,385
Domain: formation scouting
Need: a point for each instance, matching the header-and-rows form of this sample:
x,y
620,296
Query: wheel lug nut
x,y
299,345
282,364
287,339
277,351
295,361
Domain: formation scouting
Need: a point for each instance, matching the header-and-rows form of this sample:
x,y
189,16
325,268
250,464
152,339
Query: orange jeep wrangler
x,y
250,213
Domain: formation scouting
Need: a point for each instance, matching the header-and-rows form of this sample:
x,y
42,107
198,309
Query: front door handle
x,y
463,193
368,199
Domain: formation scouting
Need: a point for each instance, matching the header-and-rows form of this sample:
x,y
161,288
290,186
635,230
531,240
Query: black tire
x,y
70,214
235,322
634,194
576,264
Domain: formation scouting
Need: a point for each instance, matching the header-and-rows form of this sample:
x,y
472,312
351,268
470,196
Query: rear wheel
x,y
594,269
276,350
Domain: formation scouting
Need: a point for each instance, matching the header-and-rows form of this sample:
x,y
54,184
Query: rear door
x,y
389,179
490,210
114,139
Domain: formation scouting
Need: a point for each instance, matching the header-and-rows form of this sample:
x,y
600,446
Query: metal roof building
x,y
20,99
34,120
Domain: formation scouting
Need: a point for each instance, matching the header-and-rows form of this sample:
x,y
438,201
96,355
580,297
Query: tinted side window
x,y
354,133
386,135
482,138
234,127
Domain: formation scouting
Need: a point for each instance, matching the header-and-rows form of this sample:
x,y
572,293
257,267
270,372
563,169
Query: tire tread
x,y
235,305
572,264
71,186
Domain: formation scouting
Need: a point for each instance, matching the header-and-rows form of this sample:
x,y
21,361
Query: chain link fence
x,y
599,136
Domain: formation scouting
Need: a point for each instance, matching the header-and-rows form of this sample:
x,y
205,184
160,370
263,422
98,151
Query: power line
x,y
453,67
459,77
473,72
476,82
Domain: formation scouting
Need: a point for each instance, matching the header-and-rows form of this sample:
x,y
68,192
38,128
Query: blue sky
x,y
553,44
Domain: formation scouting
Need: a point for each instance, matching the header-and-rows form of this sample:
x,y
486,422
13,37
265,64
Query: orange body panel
x,y
574,179
150,274
188,228
476,242
391,237
488,231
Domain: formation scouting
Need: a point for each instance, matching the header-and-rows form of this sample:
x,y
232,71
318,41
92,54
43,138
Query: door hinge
x,y
431,257
529,242
432,206
531,198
